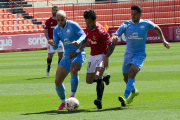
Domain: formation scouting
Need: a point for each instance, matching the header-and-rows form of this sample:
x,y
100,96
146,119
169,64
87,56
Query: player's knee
x,y
58,83
132,73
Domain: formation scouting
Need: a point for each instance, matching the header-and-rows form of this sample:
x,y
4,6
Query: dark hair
x,y
90,13
137,7
55,7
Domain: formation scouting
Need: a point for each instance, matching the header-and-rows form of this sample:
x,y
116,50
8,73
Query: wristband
x,y
78,50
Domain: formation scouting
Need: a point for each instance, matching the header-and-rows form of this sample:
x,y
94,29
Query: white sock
x,y
72,94
63,101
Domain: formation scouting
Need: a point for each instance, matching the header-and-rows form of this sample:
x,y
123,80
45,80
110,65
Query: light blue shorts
x,y
135,59
66,62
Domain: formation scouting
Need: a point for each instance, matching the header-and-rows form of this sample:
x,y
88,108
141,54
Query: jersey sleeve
x,y
151,24
120,30
79,31
46,24
104,36
56,39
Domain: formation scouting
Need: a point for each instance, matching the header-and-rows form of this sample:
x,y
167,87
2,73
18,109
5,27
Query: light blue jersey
x,y
135,34
71,32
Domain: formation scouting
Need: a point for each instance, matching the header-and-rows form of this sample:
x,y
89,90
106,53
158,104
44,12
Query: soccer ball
x,y
71,104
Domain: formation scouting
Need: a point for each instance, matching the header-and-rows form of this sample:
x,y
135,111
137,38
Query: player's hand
x,y
75,43
115,38
106,66
72,55
166,44
51,42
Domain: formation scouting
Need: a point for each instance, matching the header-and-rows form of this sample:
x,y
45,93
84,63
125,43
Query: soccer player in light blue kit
x,y
135,31
71,35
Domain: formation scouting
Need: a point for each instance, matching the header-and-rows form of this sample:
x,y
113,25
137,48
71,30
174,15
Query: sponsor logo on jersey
x,y
53,26
94,37
142,27
68,31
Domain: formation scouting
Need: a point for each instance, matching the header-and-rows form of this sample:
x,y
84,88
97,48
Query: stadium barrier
x,y
37,41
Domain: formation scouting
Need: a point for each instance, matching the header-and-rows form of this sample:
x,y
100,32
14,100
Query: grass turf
x,y
26,93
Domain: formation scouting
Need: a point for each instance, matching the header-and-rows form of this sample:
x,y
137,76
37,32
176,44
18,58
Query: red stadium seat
x,y
5,29
11,23
1,11
10,29
30,27
1,23
1,17
6,17
21,22
1,30
5,23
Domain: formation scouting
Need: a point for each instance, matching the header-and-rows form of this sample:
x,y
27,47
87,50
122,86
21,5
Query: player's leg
x,y
51,51
60,55
100,86
60,51
61,74
76,64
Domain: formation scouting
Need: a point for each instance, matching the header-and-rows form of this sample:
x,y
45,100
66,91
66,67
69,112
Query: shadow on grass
x,y
38,78
54,112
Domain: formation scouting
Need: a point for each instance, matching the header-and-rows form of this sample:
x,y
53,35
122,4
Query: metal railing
x,y
115,13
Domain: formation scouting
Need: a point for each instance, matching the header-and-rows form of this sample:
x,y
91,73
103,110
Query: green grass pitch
x,y
26,93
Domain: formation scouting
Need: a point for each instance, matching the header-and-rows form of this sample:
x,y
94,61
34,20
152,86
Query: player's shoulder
x,y
145,21
70,22
49,19
126,23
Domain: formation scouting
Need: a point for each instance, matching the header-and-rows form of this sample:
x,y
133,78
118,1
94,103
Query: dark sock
x,y
94,80
100,88
49,62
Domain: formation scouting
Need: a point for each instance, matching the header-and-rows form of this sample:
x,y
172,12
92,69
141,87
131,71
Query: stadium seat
x,y
1,17
15,29
6,11
30,22
15,22
10,29
1,30
1,23
26,22
35,28
20,16
20,22
25,28
11,17
20,28
11,23
1,11
5,29
6,17
30,27
40,27
5,23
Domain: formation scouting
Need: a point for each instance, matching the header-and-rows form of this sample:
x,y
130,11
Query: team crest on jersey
x,y
68,31
51,22
142,27
94,37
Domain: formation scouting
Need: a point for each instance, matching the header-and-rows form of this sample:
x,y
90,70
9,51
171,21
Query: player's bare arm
x,y
85,42
111,47
160,34
46,34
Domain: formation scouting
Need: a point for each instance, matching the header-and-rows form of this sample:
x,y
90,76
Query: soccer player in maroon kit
x,y
48,31
101,48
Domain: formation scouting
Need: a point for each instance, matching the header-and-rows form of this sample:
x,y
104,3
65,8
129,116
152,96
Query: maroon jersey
x,y
99,39
50,24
